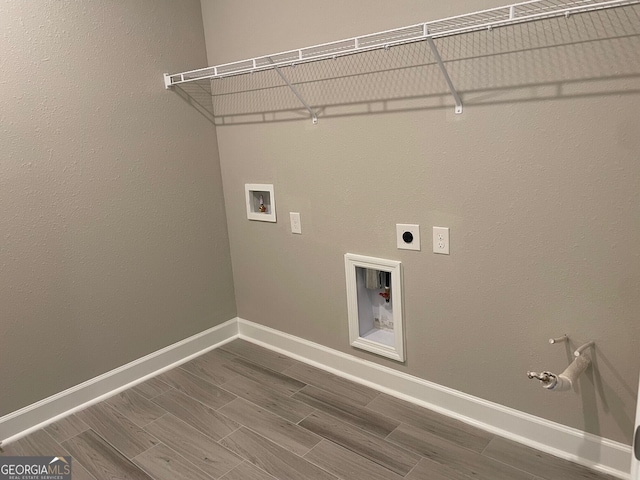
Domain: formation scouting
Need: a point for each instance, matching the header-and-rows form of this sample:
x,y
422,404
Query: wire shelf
x,y
485,19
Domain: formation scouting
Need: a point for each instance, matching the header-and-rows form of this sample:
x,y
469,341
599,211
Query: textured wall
x,y
539,182
113,239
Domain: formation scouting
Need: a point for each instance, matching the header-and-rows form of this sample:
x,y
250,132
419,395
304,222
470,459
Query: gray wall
x,y
113,239
539,182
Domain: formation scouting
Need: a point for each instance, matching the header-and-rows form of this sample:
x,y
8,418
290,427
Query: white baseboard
x,y
33,417
571,444
586,449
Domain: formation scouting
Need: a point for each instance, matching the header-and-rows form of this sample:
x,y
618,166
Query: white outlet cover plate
x,y
441,240
296,226
401,228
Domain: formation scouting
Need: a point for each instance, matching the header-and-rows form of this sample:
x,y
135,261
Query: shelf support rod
x,y
314,117
445,74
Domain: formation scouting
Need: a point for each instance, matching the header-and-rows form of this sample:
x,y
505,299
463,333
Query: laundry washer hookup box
x,y
374,305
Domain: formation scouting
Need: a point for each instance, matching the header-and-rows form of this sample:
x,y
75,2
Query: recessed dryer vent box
x,y
374,305
261,202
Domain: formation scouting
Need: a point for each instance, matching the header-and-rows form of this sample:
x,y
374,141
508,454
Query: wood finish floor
x,y
242,412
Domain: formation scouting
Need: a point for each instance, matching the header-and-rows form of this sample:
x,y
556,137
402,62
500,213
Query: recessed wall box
x,y
374,305
261,202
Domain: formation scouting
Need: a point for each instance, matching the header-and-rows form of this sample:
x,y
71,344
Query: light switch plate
x,y
441,240
296,226
408,236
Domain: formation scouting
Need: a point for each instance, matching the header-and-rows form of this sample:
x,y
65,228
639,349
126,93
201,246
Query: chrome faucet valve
x,y
544,377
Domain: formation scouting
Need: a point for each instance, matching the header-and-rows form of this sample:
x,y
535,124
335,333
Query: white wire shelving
x,y
528,11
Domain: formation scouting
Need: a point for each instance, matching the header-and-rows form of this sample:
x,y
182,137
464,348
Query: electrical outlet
x,y
296,226
441,240
408,236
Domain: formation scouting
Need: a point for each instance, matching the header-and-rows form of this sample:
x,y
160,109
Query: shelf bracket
x,y
314,117
445,74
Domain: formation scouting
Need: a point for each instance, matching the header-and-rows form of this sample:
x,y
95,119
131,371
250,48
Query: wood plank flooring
x,y
242,412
